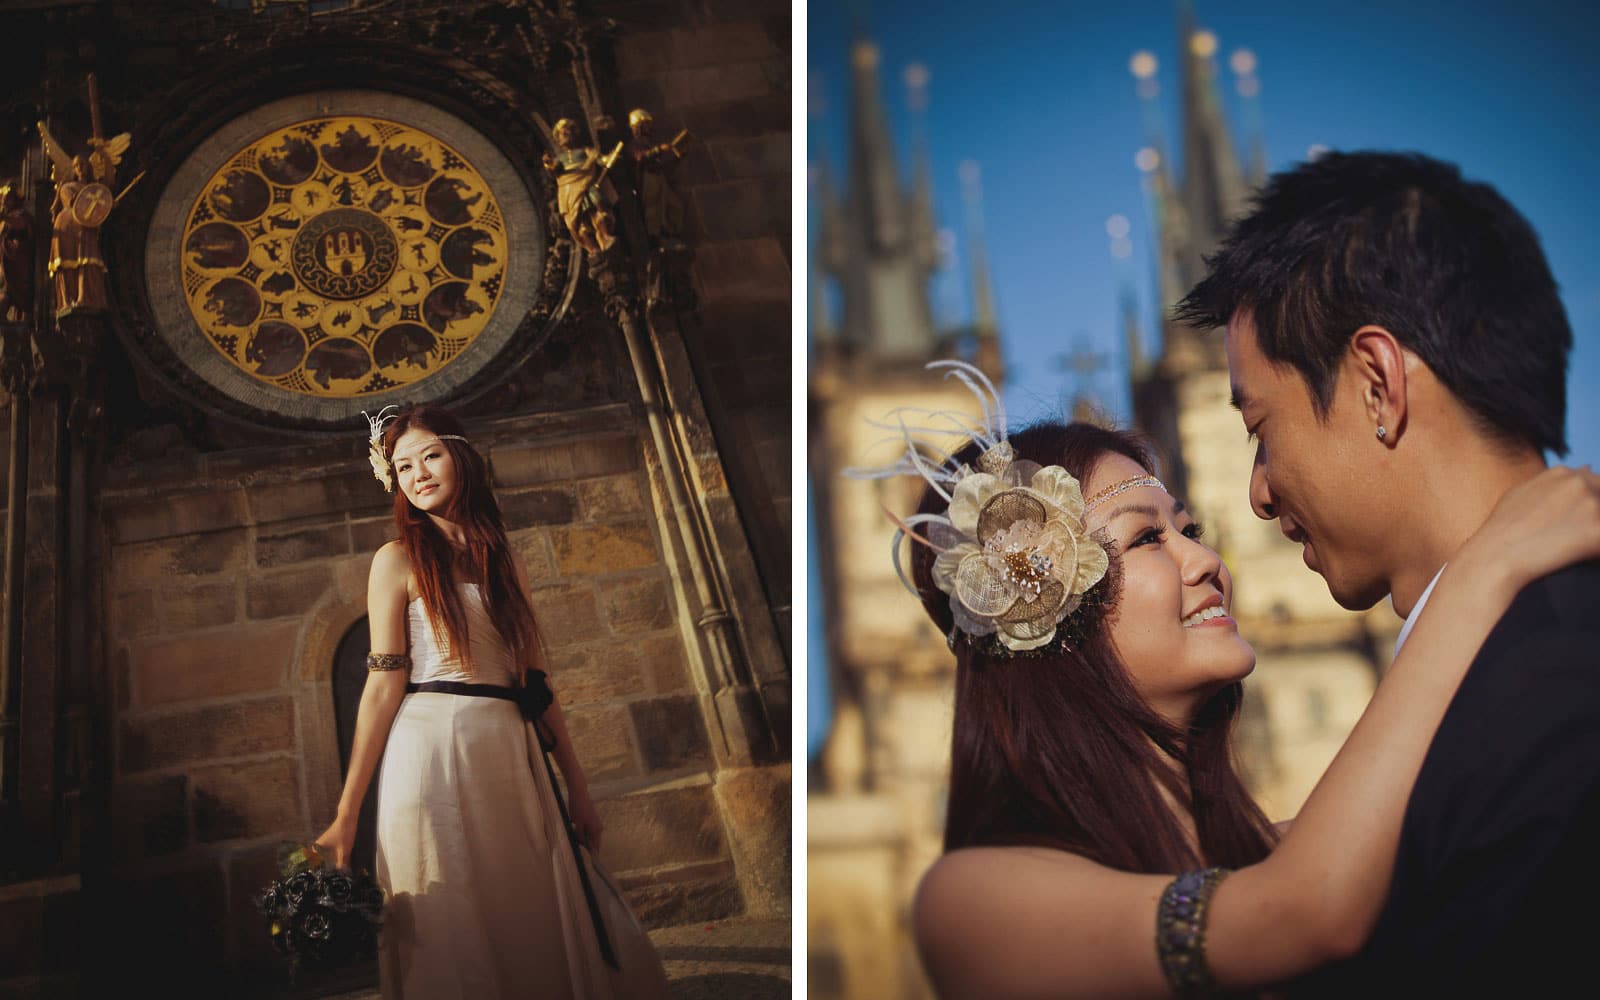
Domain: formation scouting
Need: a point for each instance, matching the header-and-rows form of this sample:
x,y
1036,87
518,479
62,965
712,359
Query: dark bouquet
x,y
320,917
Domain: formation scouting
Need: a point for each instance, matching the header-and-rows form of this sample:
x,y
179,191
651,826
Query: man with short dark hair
x,y
1398,350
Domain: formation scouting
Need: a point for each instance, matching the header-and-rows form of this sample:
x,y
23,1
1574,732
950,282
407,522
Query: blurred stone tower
x,y
875,811
1316,663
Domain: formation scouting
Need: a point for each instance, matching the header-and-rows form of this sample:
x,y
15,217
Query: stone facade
x,y
875,806
875,801
647,494
728,82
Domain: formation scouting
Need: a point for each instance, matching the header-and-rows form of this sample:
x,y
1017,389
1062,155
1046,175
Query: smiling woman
x,y
1173,631
456,705
1093,807
1154,691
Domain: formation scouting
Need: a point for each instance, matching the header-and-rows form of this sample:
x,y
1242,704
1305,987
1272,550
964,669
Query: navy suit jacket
x,y
1496,885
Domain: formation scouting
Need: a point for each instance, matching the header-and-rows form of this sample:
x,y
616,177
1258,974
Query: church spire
x,y
1171,225
1190,216
1243,64
1138,362
985,324
886,256
1168,215
831,250
1213,185
924,237
824,335
874,177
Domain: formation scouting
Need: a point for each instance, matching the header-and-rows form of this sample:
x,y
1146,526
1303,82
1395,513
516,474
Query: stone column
x,y
741,734
671,318
16,533
53,677
753,799
733,646
43,633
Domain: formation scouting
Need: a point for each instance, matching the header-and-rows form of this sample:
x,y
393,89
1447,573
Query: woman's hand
x,y
337,841
586,821
1538,527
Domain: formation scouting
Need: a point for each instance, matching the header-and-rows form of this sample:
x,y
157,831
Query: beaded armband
x,y
1181,931
388,661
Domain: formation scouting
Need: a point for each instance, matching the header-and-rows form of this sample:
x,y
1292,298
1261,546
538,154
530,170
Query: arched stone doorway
x,y
349,678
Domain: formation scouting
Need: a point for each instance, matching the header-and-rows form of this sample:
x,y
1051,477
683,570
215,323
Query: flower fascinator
x,y
375,455
1013,553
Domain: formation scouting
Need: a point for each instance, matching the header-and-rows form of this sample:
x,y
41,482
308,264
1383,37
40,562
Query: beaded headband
x,y
1013,554
1117,489
382,468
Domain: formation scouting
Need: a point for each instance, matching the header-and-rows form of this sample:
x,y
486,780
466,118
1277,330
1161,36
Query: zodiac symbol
x,y
378,312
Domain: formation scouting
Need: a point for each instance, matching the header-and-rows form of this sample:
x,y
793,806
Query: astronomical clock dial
x,y
347,256
343,219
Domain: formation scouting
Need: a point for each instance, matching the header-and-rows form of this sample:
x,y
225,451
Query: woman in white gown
x,y
487,897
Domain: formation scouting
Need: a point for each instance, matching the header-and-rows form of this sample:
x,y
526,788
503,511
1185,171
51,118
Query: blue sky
x,y
1041,96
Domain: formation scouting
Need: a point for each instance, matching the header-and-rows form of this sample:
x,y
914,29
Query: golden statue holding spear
x,y
83,203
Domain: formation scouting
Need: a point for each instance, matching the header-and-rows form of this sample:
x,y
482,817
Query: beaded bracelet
x,y
388,661
1181,931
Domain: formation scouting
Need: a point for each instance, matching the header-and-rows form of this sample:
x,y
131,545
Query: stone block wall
x,y
723,71
229,584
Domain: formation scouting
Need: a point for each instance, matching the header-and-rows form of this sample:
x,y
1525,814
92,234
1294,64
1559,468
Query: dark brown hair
x,y
488,551
1403,241
1060,750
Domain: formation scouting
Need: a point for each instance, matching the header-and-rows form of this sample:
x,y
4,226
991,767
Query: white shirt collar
x,y
1411,619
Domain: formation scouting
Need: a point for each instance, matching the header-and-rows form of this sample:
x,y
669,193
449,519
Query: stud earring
x,y
1382,433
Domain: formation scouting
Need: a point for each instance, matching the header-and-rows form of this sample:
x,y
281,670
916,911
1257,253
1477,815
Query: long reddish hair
x,y
489,552
1060,750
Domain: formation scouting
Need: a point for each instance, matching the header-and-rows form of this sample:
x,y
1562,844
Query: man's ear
x,y
1378,363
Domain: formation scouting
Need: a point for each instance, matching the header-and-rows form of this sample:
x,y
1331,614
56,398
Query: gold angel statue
x,y
83,203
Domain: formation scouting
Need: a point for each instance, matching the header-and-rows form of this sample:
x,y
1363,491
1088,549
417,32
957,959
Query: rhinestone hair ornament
x,y
1117,489
1013,553
382,468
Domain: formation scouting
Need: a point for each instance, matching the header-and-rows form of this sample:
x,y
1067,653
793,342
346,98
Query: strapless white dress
x,y
485,899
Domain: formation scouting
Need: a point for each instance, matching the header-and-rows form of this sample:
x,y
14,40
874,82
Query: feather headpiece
x,y
380,462
1013,553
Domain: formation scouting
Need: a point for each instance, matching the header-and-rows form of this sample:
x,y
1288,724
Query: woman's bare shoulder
x,y
391,555
979,864
976,875
391,569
